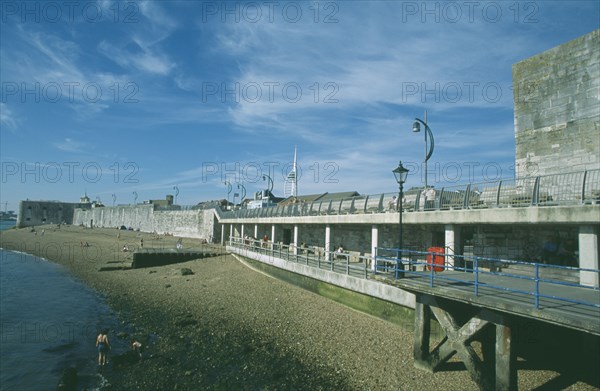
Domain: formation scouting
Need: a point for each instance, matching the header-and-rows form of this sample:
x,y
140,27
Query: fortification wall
x,y
33,213
134,216
186,223
179,222
557,110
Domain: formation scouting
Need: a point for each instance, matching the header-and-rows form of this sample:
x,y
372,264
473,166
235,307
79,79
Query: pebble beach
x,y
228,326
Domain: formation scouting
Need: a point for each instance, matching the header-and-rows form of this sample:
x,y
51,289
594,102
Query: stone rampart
x,y
185,223
134,216
32,213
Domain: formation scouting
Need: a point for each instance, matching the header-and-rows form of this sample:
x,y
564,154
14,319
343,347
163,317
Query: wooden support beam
x,y
500,375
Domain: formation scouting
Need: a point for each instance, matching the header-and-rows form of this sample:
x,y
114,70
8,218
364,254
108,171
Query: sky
x,y
130,101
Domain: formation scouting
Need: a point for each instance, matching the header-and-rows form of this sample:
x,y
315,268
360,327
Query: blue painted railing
x,y
343,263
415,265
418,264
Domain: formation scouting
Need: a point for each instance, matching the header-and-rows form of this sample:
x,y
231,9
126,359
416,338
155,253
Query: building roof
x,y
319,197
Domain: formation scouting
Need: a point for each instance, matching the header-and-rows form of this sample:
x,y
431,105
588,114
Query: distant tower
x,y
290,186
85,199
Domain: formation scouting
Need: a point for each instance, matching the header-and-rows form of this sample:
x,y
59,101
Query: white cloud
x,y
146,59
70,145
7,118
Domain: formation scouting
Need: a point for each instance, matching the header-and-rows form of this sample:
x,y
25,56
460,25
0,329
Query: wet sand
x,y
229,327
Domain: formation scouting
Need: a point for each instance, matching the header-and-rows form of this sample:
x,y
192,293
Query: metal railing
x,y
343,263
526,278
533,280
575,188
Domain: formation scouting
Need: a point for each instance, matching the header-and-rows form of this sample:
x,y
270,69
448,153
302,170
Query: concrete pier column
x,y
256,231
505,360
422,333
223,234
242,233
452,240
588,255
230,231
272,236
327,241
295,239
374,244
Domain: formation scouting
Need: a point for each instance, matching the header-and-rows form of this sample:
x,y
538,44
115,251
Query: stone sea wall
x,y
186,223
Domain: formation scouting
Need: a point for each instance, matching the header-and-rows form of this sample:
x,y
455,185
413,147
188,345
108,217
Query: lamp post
x,y
265,177
243,192
114,197
228,184
176,193
428,150
135,197
400,173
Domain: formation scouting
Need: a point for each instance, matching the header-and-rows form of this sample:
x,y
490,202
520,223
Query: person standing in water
x,y
103,346
136,346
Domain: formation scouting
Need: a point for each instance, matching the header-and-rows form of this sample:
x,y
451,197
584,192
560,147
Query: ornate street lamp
x,y
176,193
228,184
428,149
239,185
265,177
400,173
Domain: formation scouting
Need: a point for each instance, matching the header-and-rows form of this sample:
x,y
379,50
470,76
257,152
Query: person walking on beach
x,y
103,347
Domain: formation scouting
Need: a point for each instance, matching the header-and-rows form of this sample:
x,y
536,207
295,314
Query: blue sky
x,y
112,98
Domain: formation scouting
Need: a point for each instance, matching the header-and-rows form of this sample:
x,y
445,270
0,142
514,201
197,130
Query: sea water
x,y
48,322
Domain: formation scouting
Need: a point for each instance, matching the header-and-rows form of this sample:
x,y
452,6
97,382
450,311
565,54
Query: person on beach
x,y
142,243
137,348
103,346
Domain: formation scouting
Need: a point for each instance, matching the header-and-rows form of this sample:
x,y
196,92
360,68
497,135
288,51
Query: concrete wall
x,y
368,287
557,109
